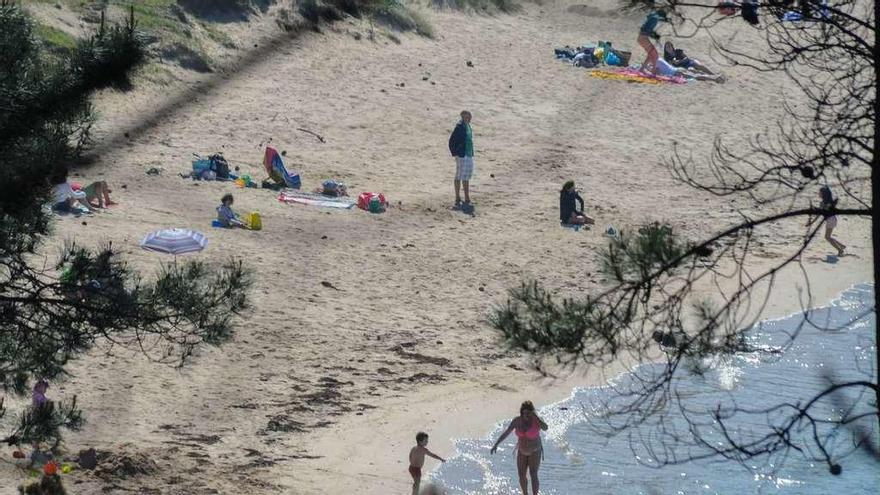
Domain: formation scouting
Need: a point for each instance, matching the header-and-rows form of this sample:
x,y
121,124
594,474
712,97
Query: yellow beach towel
x,y
607,74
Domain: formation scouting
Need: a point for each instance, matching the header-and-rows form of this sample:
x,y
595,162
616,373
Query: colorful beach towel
x,y
304,198
633,75
277,171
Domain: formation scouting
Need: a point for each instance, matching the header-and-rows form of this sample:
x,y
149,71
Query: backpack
x,y
219,166
750,11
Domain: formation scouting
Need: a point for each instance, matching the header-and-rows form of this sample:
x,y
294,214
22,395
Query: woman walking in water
x,y
529,451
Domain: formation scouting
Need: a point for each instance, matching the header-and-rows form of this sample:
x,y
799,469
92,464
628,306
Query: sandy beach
x,y
368,328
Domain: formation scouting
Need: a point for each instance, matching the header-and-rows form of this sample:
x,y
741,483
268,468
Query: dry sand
x,y
321,390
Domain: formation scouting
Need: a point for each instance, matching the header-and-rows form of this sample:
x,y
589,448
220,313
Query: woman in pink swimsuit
x,y
529,451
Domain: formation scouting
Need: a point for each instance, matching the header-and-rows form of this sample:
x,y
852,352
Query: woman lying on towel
x,y
666,69
568,212
678,58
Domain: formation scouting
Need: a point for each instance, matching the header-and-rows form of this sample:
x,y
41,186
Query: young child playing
x,y
417,459
226,216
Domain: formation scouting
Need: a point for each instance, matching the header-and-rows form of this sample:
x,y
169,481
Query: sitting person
x,y
226,216
65,199
96,191
679,59
568,212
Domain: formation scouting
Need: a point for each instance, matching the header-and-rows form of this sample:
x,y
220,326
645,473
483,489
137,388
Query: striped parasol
x,y
175,241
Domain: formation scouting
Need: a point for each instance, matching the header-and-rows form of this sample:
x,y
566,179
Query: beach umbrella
x,y
175,241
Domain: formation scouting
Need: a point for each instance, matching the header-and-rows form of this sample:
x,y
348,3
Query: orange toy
x,y
50,468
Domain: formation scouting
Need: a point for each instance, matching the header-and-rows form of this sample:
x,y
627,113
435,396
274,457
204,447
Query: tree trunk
x,y
875,217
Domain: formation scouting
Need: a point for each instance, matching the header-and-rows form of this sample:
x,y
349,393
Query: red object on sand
x,y
18,454
365,197
726,7
50,468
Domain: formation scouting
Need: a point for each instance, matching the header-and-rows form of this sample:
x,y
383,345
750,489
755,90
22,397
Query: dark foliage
x,y
225,9
51,313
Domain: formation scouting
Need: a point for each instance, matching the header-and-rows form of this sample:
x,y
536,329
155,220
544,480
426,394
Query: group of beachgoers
x,y
674,62
70,197
527,426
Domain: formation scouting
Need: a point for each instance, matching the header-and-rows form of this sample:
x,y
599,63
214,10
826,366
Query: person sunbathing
x,y
666,69
678,58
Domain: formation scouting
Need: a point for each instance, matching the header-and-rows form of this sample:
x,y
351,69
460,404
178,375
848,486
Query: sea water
x,y
580,458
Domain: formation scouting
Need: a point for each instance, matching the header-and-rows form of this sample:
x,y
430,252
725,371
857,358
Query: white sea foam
x,y
579,460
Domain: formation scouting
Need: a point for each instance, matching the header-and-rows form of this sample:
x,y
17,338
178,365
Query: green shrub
x,y
506,6
315,11
55,39
403,18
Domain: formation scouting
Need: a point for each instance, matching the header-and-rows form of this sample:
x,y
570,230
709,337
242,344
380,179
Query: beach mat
x,y
633,75
311,199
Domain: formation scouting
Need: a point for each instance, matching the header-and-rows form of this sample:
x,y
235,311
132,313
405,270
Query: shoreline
x,y
321,391
349,450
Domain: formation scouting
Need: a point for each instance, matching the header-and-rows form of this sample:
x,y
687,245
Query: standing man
x,y
461,145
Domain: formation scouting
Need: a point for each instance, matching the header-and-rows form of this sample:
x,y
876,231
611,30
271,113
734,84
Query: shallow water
x,y
579,459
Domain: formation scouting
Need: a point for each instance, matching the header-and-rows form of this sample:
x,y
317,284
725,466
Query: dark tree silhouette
x,y
51,312
831,55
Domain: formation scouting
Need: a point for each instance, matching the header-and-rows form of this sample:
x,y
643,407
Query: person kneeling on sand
x,y
226,216
417,459
97,194
568,212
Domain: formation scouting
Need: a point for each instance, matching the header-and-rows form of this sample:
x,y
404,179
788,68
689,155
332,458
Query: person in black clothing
x,y
568,212
829,202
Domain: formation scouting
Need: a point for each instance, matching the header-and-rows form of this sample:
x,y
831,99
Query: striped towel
x,y
304,198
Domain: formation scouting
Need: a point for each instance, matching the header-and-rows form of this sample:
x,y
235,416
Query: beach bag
x,y
750,12
253,220
330,188
200,166
219,166
366,202
612,59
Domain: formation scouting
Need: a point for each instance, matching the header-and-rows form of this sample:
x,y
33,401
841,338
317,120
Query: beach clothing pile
x,y
590,56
